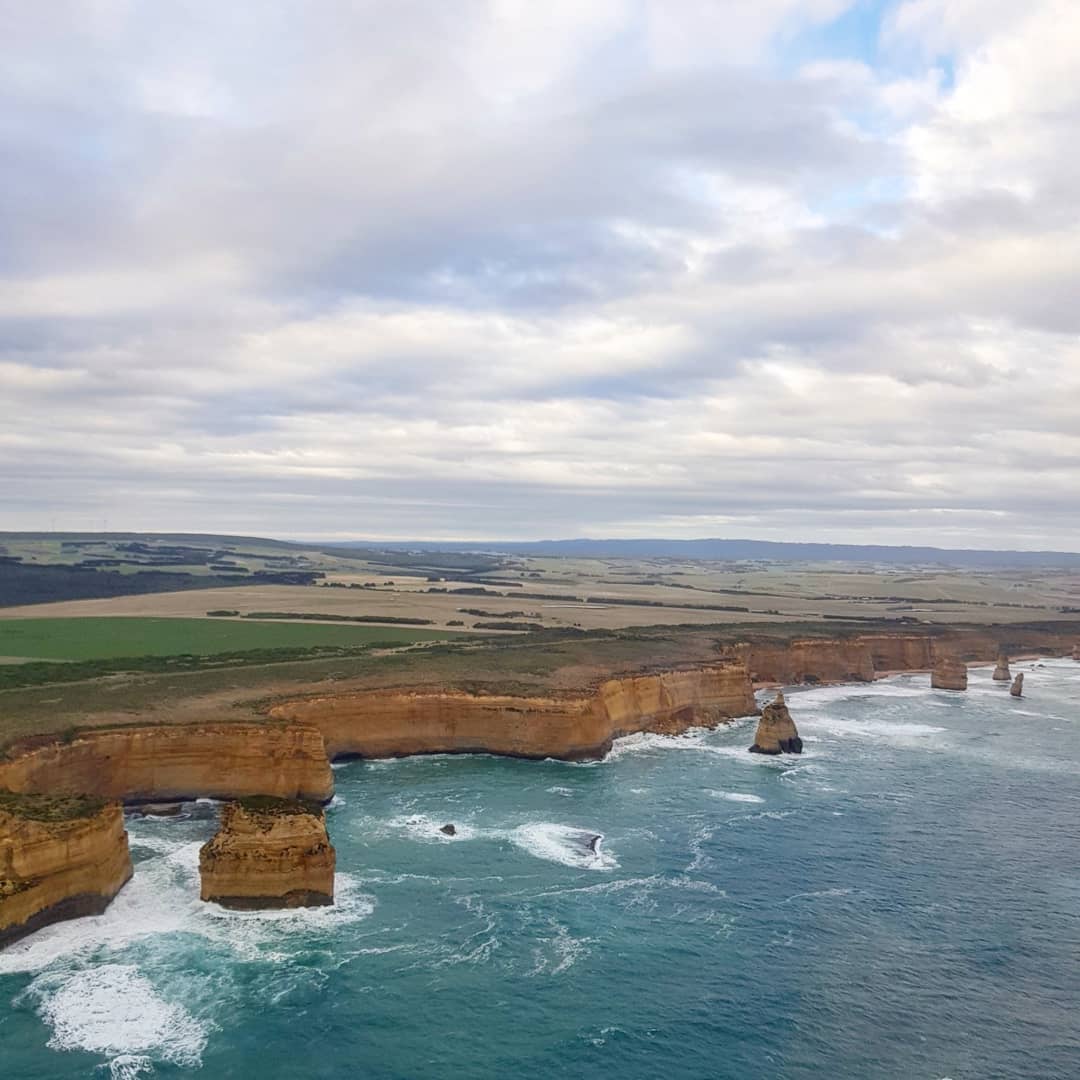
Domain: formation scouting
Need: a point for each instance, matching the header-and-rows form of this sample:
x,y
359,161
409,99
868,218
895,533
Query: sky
x,y
504,269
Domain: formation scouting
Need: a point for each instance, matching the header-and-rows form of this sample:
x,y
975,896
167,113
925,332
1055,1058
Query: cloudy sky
x,y
795,269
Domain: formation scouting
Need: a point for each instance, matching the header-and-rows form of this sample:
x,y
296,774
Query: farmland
x,y
100,638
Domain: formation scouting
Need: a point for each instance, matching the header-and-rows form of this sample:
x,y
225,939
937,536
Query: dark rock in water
x,y
594,843
161,809
448,830
1001,672
1017,688
949,674
776,731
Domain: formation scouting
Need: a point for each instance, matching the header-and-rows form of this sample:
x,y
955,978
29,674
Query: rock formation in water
x,y
1076,651
1001,672
1017,688
448,830
384,723
269,853
776,731
60,858
177,761
949,674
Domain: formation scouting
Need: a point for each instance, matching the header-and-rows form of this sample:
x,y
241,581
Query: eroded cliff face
x,y
59,859
269,853
949,674
159,764
386,723
776,731
809,660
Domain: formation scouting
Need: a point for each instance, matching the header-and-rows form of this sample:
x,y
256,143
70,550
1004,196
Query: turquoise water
x,y
901,901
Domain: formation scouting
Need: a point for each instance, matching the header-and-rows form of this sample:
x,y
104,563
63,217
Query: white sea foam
x,y
565,792
736,796
163,898
113,1009
566,844
422,827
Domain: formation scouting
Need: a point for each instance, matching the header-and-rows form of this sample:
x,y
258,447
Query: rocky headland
x,y
269,853
776,731
60,858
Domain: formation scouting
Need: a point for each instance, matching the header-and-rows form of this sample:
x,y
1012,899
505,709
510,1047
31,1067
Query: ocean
x,y
901,901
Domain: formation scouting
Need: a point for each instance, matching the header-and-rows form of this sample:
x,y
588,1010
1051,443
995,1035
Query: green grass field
x,y
106,638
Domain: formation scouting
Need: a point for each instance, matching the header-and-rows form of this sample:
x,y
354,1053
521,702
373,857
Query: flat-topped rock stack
x,y
949,674
269,853
60,858
1001,672
1017,688
776,731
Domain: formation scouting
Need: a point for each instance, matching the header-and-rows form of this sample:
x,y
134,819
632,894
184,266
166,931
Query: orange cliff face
x,y
269,853
177,762
387,723
53,869
810,660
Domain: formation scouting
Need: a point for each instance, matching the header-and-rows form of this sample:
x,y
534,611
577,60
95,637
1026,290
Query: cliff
x,y
166,763
269,853
776,731
1001,672
59,859
949,674
810,660
386,723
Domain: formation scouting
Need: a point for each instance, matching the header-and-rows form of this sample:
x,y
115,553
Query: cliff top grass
x,y
50,809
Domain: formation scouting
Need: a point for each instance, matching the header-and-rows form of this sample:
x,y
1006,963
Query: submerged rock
x,y
776,731
1017,688
269,853
160,809
1001,672
949,674
448,830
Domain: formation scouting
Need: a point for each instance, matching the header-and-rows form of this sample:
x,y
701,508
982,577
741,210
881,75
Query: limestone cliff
x,y
949,674
776,731
1001,672
269,853
386,723
1017,688
60,858
809,660
159,764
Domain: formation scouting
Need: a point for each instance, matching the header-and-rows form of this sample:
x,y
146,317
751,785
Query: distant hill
x,y
738,550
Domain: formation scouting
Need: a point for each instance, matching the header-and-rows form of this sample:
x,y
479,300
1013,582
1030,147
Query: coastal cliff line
x,y
394,723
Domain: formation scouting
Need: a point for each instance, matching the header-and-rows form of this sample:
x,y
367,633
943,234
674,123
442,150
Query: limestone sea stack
x,y
269,853
1017,688
1001,672
1076,651
949,674
776,732
60,858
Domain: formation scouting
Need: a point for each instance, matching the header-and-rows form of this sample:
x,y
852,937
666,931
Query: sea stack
x,y
949,674
776,731
269,853
1001,672
1017,688
1076,651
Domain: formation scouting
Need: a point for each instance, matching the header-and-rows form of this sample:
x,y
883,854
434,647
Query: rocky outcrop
x,y
1001,672
776,731
1076,651
269,853
1017,688
172,762
60,858
388,723
949,674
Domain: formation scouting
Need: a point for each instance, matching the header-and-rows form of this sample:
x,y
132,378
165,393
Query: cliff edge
x,y
60,858
269,853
